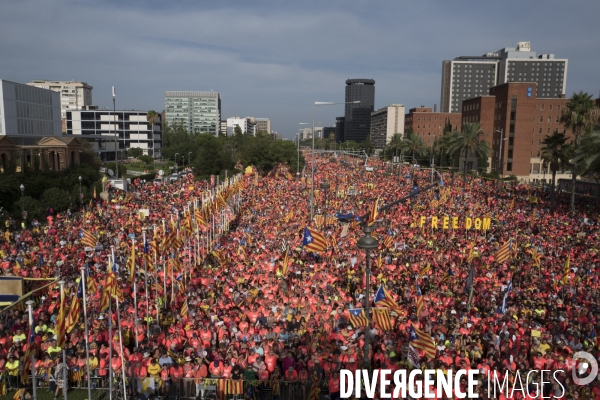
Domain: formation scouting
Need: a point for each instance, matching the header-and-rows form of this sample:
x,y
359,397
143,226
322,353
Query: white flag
x,y
413,357
344,231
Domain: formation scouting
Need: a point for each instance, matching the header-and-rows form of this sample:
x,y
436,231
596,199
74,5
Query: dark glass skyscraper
x,y
358,116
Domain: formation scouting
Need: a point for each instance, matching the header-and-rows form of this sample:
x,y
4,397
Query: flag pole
x,y
64,353
110,335
135,314
146,284
29,343
121,344
85,324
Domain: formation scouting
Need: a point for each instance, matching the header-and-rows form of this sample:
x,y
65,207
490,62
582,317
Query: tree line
x,y
213,155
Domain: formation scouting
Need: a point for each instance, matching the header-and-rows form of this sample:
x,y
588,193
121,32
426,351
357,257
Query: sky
x,y
274,59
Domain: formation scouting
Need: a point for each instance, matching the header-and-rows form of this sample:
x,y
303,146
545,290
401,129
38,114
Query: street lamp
x,y
22,200
176,154
312,180
367,243
189,159
298,140
432,158
502,139
80,194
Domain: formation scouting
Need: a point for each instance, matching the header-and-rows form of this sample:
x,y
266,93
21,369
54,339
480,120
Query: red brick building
x,y
428,124
514,111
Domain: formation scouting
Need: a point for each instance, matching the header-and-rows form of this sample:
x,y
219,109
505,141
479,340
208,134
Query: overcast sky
x,y
275,58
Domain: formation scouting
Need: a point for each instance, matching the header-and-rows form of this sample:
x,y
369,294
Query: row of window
x,y
32,94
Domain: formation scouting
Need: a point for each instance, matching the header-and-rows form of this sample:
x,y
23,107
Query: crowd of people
x,y
227,311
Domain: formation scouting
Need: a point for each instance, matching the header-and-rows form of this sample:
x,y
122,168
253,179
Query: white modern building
x,y
28,113
102,126
386,122
467,77
73,95
246,124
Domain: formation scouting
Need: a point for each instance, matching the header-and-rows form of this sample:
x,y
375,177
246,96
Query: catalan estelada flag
x,y
566,270
86,238
422,340
381,317
358,317
503,253
313,240
373,214
286,262
384,299
420,302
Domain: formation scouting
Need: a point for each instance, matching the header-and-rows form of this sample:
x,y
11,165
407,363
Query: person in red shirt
x,y
216,369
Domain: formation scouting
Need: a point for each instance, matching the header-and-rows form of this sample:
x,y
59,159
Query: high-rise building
x,y
73,95
132,127
429,123
340,124
223,129
328,130
246,124
466,77
305,133
358,116
198,112
28,113
521,115
386,122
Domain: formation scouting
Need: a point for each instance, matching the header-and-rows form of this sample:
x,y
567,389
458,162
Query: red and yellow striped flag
x,y
381,317
60,326
374,213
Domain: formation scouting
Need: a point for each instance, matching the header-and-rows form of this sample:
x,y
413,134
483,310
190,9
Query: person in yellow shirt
x,y
12,366
19,336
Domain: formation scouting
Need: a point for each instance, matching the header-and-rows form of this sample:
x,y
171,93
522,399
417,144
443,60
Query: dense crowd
x,y
231,311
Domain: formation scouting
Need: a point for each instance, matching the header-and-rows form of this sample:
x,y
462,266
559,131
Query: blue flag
x,y
502,308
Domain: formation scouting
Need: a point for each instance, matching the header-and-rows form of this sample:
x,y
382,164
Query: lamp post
x,y
298,139
22,187
502,139
312,180
182,161
30,311
367,243
63,370
189,159
116,132
176,154
325,186
80,194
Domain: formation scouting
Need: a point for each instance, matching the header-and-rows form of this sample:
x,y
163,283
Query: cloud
x,y
273,59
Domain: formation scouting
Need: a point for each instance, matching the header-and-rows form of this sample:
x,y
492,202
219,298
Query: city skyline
x,y
279,59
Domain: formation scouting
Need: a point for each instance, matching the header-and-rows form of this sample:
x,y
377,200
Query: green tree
x,y
211,157
413,144
395,144
135,152
176,139
556,154
468,142
580,115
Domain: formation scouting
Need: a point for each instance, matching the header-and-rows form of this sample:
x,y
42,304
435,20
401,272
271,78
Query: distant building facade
x,y
73,95
263,124
198,112
132,127
358,116
246,124
522,116
428,123
386,122
28,113
466,77
340,124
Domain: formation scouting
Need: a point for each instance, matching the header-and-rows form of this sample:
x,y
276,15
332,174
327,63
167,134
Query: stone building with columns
x,y
48,154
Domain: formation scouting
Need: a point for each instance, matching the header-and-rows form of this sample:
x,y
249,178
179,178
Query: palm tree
x,y
556,153
580,114
468,142
395,143
413,144
151,117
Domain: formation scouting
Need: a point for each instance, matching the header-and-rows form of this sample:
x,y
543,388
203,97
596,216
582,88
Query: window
x,y
540,131
509,167
541,118
550,107
549,118
542,107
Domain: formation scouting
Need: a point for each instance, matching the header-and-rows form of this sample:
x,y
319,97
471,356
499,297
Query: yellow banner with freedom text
x,y
446,222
